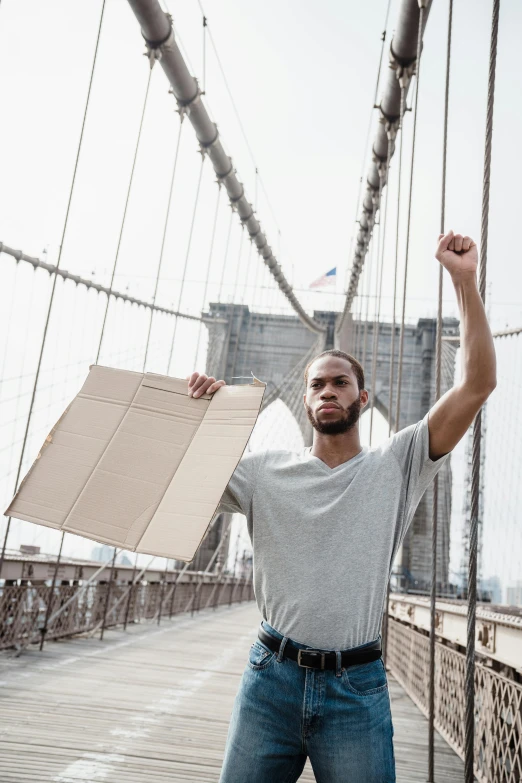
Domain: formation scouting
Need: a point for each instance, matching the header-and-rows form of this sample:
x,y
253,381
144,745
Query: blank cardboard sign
x,y
134,461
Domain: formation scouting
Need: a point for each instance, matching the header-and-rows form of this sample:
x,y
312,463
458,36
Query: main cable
x,y
477,426
422,7
438,375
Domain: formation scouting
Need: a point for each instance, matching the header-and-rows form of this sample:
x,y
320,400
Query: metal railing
x,y
498,701
76,609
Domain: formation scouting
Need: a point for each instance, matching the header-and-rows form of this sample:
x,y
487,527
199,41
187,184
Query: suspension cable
x,y
165,226
53,288
438,374
122,226
383,179
402,78
220,290
374,106
211,253
187,254
370,270
422,8
477,426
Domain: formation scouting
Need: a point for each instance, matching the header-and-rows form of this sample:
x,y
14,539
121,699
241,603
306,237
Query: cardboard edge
x,y
259,383
48,440
213,516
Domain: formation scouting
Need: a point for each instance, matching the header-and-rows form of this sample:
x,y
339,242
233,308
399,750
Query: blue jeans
x,y
284,712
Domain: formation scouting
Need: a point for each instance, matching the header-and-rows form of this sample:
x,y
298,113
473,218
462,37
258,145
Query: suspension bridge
x,y
166,255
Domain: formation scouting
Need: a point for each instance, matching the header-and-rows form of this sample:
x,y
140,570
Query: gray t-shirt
x,y
324,539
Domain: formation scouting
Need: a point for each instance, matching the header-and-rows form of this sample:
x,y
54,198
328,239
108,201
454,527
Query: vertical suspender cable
x,y
477,426
438,369
53,289
100,342
383,179
401,75
251,322
368,294
204,82
252,318
222,280
129,188
211,253
196,200
422,8
231,309
174,167
391,424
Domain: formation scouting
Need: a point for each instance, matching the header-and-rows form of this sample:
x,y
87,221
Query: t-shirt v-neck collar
x,y
319,462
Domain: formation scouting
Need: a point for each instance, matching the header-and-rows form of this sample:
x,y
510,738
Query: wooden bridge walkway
x,y
141,707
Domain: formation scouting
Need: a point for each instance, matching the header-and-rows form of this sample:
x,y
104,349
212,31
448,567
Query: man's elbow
x,y
482,389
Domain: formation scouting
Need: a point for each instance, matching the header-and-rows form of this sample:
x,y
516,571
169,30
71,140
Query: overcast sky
x,y
303,76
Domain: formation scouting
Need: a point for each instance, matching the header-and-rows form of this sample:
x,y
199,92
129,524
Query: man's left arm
x,y
451,416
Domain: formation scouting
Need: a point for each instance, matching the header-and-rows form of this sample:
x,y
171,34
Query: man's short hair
x,y
357,366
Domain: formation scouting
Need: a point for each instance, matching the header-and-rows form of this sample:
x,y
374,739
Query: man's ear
x,y
364,398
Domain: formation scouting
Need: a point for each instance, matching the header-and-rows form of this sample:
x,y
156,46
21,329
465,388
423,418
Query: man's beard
x,y
340,426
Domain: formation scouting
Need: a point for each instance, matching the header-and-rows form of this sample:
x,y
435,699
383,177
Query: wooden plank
x,y
153,704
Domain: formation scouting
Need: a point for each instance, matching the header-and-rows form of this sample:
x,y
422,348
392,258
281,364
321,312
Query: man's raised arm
x,y
451,416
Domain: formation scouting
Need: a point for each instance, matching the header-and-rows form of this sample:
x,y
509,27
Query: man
x,y
325,526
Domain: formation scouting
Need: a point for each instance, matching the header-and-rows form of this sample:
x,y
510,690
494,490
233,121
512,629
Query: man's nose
x,y
328,393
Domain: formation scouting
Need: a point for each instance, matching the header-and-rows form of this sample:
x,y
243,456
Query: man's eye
x,y
342,381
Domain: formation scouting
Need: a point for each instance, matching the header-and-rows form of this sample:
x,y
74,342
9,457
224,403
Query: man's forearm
x,y
479,373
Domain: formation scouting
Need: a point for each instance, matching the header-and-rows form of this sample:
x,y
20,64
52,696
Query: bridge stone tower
x,y
273,347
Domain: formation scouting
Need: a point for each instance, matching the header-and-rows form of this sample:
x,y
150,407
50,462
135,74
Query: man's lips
x,y
329,406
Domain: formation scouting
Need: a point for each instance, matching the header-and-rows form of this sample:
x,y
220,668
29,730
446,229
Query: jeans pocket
x,y
260,656
366,679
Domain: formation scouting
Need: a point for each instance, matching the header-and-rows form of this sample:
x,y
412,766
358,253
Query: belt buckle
x,y
310,652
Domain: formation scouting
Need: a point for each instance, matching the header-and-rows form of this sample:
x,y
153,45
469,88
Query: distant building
x,y
514,594
491,589
104,552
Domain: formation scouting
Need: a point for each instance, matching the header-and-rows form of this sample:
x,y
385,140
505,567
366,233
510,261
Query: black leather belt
x,y
319,659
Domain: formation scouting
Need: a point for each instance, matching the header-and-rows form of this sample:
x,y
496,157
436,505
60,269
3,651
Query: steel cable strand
x,y
209,264
222,359
361,283
251,321
232,305
383,179
165,226
365,332
115,264
438,377
36,263
422,5
124,216
53,289
187,254
402,75
477,428
405,75
396,265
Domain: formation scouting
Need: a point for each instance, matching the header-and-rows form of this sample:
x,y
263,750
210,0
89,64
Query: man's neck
x,y
333,450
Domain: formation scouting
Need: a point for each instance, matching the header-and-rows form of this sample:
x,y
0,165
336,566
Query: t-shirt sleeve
x,y
237,498
411,449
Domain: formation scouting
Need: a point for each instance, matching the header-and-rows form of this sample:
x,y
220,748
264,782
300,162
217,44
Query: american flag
x,y
327,279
